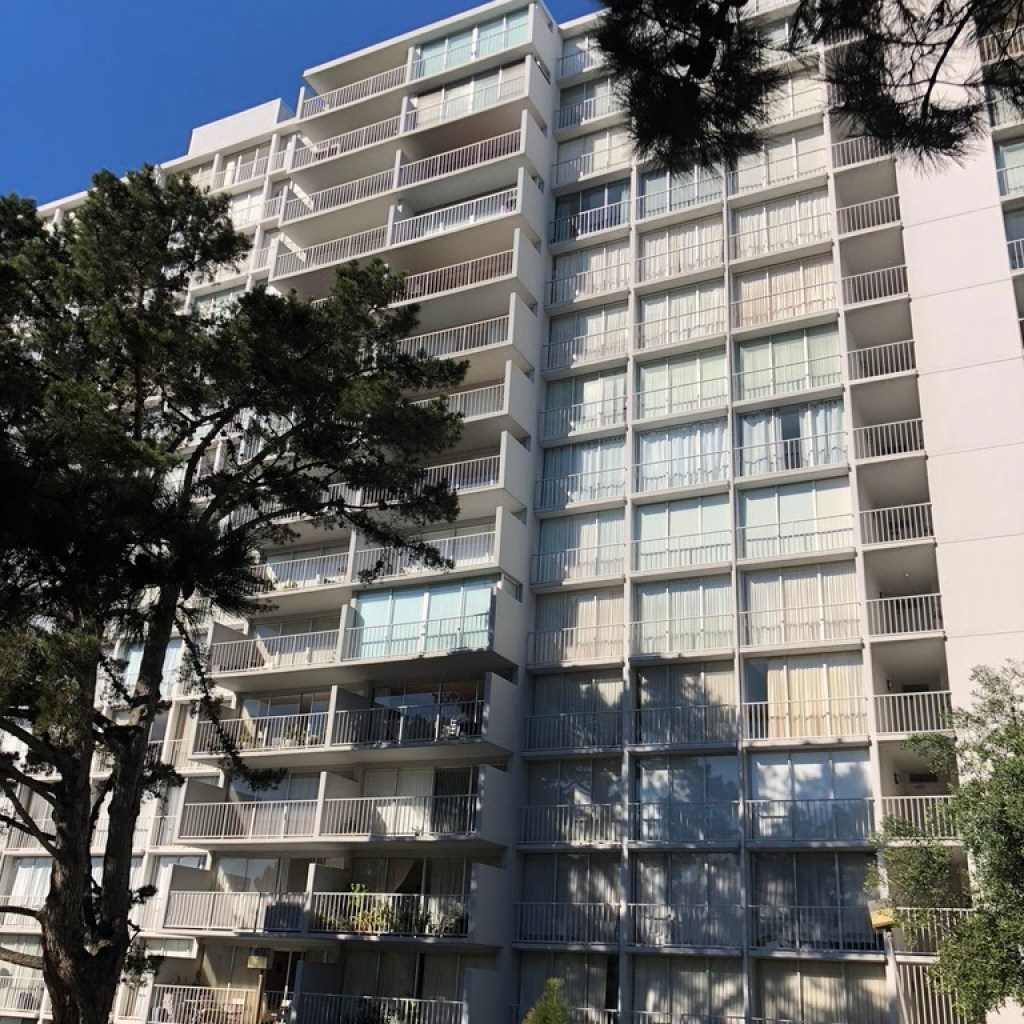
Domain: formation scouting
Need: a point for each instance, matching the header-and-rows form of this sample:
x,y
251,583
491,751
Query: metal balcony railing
x,y
678,262
325,254
576,488
656,554
354,92
814,929
274,652
686,925
458,276
915,613
875,285
463,551
896,524
300,573
673,330
670,822
460,159
841,820
902,437
589,222
1015,251
786,378
679,197
579,113
453,341
688,471
566,172
318,1008
266,732
931,816
474,403
800,537
1001,112
578,564
777,171
777,627
874,213
794,453
412,639
858,150
339,195
614,277
795,102
931,927
347,142
791,234
586,348
576,643
578,923
574,730
571,823
681,635
235,911
922,711
409,816
412,723
582,417
784,305
184,1004
455,218
462,106
388,913
255,819
1000,45
805,719
882,360
693,725
577,63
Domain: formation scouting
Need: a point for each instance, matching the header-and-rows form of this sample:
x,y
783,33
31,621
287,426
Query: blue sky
x,y
86,84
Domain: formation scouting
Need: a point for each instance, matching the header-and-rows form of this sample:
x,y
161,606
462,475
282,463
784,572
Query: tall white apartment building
x,y
741,485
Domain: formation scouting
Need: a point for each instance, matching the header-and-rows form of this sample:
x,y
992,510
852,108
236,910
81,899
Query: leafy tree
x,y
146,452
698,81
551,1007
980,962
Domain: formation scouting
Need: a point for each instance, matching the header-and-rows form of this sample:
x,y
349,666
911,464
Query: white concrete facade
x,y
740,490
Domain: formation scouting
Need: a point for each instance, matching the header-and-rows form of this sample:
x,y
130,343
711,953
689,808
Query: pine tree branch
x,y
25,822
40,787
13,956
43,750
22,911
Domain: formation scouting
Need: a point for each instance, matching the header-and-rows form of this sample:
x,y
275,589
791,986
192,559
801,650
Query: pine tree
x,y
551,1007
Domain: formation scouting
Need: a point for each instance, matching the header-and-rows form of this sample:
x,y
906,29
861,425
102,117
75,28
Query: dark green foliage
x,y
551,1008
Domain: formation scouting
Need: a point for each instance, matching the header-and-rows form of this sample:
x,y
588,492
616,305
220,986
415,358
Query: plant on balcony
x,y
147,447
371,914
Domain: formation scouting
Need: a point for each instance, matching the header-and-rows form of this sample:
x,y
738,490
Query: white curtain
x,y
682,456
692,312
684,383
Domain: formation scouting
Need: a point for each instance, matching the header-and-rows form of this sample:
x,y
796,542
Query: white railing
x,y
882,360
686,924
777,171
931,816
686,726
460,159
822,372
586,348
462,106
300,573
576,643
582,417
388,913
874,285
879,440
185,1004
463,551
339,195
272,207
473,49
410,723
588,282
454,218
795,103
263,654
673,330
22,994
795,453
577,63
875,213
660,553
571,823
683,821
896,524
256,819
235,911
580,923
578,564
579,113
566,172
799,537
347,142
814,928
602,484
923,711
453,341
678,262
816,623
353,92
789,234
164,830
680,635
1015,250
483,401
805,719
848,820
266,732
328,253
688,471
785,305
1001,112
1000,45
411,816
466,475
316,1008
574,730
856,151
412,639
246,171
916,613
177,757
679,197
458,275
929,928
589,222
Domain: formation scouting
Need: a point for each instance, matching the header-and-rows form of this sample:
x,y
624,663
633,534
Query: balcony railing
x,y
23,995
586,348
694,725
457,56
588,282
777,171
328,253
575,488
354,92
903,437
673,330
408,816
660,553
923,711
822,372
897,524
462,106
805,719
347,142
875,213
777,627
794,103
317,1008
463,551
267,732
785,305
589,222
577,63
236,911
412,639
301,573
274,652
1000,45
930,928
679,197
875,285
801,537
184,1004
578,564
915,613
681,635
857,151
467,474
882,360
794,453
453,341
847,820
1002,112
579,113
687,471
582,417
460,159
571,823
568,171
454,218
388,913
476,402
814,929
580,923
688,259
458,276
771,238
340,195
576,643
256,819
931,816
681,925
410,724
574,730
670,822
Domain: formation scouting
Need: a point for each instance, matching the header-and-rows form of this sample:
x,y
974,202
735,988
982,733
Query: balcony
x,y
589,222
849,152
479,100
884,440
302,573
483,46
875,286
317,1008
700,470
387,913
589,283
265,654
875,213
328,254
699,725
577,114
900,616
574,730
670,331
575,644
582,418
789,378
184,1004
569,172
339,195
579,488
462,158
824,718
690,259
257,819
567,923
585,824
310,154
930,816
470,550
931,926
586,348
813,929
254,912
23,995
814,452
665,554
414,639
810,821
801,537
457,217
579,62
458,276
809,300
781,237
882,360
899,524
679,197
694,925
817,624
769,173
670,822
682,635
1015,251
904,714
1001,45
353,93
572,564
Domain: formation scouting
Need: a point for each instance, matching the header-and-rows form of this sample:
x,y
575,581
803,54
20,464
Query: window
x,y
782,224
580,103
783,158
487,38
675,534
683,616
589,471
590,271
684,456
687,799
795,518
578,404
587,335
669,318
594,209
686,703
683,384
687,988
793,437
784,363
460,98
784,292
680,249
576,547
591,154
579,625
664,192
813,603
